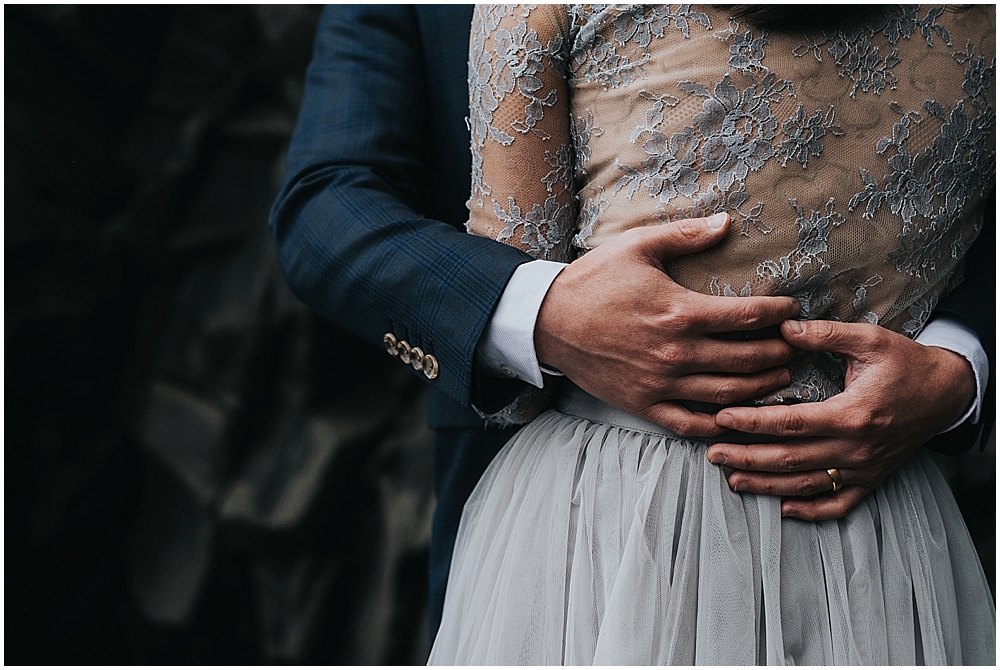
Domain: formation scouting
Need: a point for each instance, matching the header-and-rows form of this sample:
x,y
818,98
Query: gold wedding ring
x,y
838,481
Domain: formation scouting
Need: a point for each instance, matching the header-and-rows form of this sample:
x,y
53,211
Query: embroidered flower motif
x,y
804,135
519,59
857,59
901,21
961,151
919,311
727,290
601,63
812,289
561,163
920,251
748,51
668,171
590,210
907,188
862,301
641,23
738,128
582,128
978,74
751,217
543,230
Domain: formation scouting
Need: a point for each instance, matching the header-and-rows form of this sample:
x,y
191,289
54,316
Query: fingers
x,y
714,314
797,484
681,420
728,389
833,336
830,417
788,457
679,238
822,508
711,355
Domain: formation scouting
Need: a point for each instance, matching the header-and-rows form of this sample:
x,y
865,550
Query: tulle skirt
x,y
598,538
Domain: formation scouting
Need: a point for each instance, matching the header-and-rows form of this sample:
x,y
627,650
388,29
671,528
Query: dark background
x,y
198,469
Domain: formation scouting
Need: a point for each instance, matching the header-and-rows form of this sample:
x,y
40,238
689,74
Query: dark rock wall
x,y
198,469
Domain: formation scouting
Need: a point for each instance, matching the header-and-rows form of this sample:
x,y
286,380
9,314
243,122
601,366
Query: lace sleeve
x,y
522,159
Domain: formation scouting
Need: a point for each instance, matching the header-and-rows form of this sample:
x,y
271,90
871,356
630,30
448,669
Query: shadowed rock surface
x,y
199,470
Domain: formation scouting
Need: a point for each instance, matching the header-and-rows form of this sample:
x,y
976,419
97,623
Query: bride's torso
x,y
855,162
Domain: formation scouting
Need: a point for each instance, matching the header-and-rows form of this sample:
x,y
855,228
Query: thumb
x,y
832,336
687,236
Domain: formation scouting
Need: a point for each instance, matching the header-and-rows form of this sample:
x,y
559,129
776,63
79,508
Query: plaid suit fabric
x,y
368,225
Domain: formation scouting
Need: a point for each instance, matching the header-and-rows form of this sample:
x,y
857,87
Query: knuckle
x,y
789,462
671,356
864,454
681,426
749,361
691,229
839,509
858,422
726,392
679,319
769,487
790,424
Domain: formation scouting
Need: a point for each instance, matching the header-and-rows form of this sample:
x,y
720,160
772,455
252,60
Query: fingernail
x,y
796,327
737,486
717,221
725,420
784,377
717,459
798,306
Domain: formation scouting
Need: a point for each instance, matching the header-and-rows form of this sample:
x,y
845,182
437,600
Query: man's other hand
x,y
897,395
622,330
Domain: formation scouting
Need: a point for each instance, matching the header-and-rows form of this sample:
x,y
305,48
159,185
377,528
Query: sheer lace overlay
x,y
854,162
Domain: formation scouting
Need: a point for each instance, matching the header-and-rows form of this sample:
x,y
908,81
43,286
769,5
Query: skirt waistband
x,y
574,401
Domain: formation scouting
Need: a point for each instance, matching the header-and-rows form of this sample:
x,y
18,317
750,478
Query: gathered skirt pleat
x,y
589,543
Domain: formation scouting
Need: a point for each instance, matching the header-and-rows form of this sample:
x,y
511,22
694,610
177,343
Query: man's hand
x,y
897,395
622,330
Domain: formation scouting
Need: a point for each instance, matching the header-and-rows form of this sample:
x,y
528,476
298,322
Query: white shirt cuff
x,y
508,346
953,336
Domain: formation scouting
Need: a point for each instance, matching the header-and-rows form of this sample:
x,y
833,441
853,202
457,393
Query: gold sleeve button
x,y
430,366
391,344
417,358
404,351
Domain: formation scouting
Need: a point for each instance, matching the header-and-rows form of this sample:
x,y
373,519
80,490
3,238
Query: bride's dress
x,y
855,165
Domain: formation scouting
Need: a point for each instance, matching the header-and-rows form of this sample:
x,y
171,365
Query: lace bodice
x,y
854,162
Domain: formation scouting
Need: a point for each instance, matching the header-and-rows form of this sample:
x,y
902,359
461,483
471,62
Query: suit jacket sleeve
x,y
973,304
347,224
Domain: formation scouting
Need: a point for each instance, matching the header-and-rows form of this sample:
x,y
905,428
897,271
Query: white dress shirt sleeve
x,y
953,336
508,347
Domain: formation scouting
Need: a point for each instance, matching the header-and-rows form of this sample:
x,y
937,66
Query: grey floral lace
x,y
855,163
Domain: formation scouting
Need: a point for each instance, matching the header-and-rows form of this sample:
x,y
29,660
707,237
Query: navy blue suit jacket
x,y
369,225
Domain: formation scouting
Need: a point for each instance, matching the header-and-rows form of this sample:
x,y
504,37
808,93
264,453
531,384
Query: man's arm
x,y
349,235
354,248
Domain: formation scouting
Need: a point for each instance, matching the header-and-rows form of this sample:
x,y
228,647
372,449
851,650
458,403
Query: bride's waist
x,y
574,401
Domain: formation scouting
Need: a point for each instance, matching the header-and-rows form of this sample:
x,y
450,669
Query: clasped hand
x,y
622,330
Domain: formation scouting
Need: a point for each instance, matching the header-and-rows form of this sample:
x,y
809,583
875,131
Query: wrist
x,y
957,381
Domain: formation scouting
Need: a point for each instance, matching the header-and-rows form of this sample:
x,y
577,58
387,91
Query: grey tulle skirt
x,y
597,538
